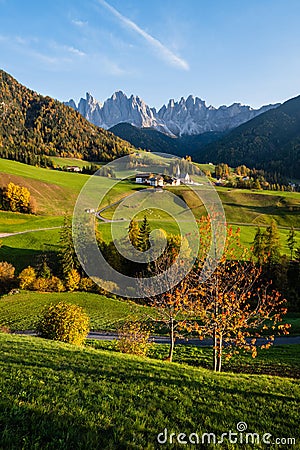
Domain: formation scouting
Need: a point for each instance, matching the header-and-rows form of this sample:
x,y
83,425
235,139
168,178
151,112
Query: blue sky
x,y
222,51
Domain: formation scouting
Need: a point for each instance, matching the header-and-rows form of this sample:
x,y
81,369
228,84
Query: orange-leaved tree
x,y
234,305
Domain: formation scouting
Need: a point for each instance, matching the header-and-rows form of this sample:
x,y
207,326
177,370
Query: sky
x,y
223,51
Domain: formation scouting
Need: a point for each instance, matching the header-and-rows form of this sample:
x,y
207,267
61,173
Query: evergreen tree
x,y
44,270
143,242
67,255
259,246
272,243
291,241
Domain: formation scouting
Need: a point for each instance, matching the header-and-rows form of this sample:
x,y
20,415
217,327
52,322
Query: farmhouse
x,y
142,178
156,181
73,169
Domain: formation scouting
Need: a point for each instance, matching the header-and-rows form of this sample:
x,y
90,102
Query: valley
x,y
86,393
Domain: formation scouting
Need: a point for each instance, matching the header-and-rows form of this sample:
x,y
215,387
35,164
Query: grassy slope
x,y
16,222
20,311
55,192
55,396
61,162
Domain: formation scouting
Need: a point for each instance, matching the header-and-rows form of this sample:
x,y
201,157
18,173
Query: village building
x,y
73,169
142,178
156,181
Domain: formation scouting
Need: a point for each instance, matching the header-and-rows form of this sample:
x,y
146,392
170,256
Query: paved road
x,y
281,340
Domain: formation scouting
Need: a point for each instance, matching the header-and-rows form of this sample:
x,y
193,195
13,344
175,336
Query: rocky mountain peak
x,y
186,116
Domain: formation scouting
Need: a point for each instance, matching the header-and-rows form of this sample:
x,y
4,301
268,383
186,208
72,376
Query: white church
x,y
183,178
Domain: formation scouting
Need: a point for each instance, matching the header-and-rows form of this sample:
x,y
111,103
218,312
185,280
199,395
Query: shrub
x,y
41,284
55,284
87,285
134,338
4,329
64,322
27,278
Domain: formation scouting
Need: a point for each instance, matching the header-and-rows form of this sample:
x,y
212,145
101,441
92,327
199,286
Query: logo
x,y
151,185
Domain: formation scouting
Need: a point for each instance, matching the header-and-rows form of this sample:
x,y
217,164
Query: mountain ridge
x,y
188,116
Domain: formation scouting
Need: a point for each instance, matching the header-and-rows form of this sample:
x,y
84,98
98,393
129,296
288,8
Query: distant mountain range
x,y
270,141
188,116
32,126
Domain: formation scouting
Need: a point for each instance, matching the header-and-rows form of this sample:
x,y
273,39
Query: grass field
x,y
56,193
20,311
21,250
61,162
280,360
56,396
17,222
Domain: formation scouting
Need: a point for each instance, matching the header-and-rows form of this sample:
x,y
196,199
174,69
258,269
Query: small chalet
x,y
73,169
156,181
142,178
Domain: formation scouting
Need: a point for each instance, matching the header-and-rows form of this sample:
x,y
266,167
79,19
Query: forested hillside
x,y
270,141
33,127
156,141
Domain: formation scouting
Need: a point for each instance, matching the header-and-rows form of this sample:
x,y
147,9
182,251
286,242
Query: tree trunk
x,y
215,351
220,348
172,340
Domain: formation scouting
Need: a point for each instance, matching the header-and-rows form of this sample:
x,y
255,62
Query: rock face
x,y
186,117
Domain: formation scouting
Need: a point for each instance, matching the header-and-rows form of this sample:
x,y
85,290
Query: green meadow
x,y
56,396
55,193
21,311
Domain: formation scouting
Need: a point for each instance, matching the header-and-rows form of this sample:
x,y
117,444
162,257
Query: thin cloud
x,y
79,23
75,51
161,49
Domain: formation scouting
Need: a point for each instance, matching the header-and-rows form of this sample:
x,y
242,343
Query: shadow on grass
x,y
24,257
26,427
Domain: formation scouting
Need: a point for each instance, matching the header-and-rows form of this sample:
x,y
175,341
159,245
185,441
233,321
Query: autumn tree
x,y
16,198
27,278
133,232
7,277
168,306
222,170
234,306
72,280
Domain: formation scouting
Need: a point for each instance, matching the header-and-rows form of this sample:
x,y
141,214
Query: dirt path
x,y
3,235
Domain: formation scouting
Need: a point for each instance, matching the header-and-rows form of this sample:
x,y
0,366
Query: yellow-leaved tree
x,y
16,198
